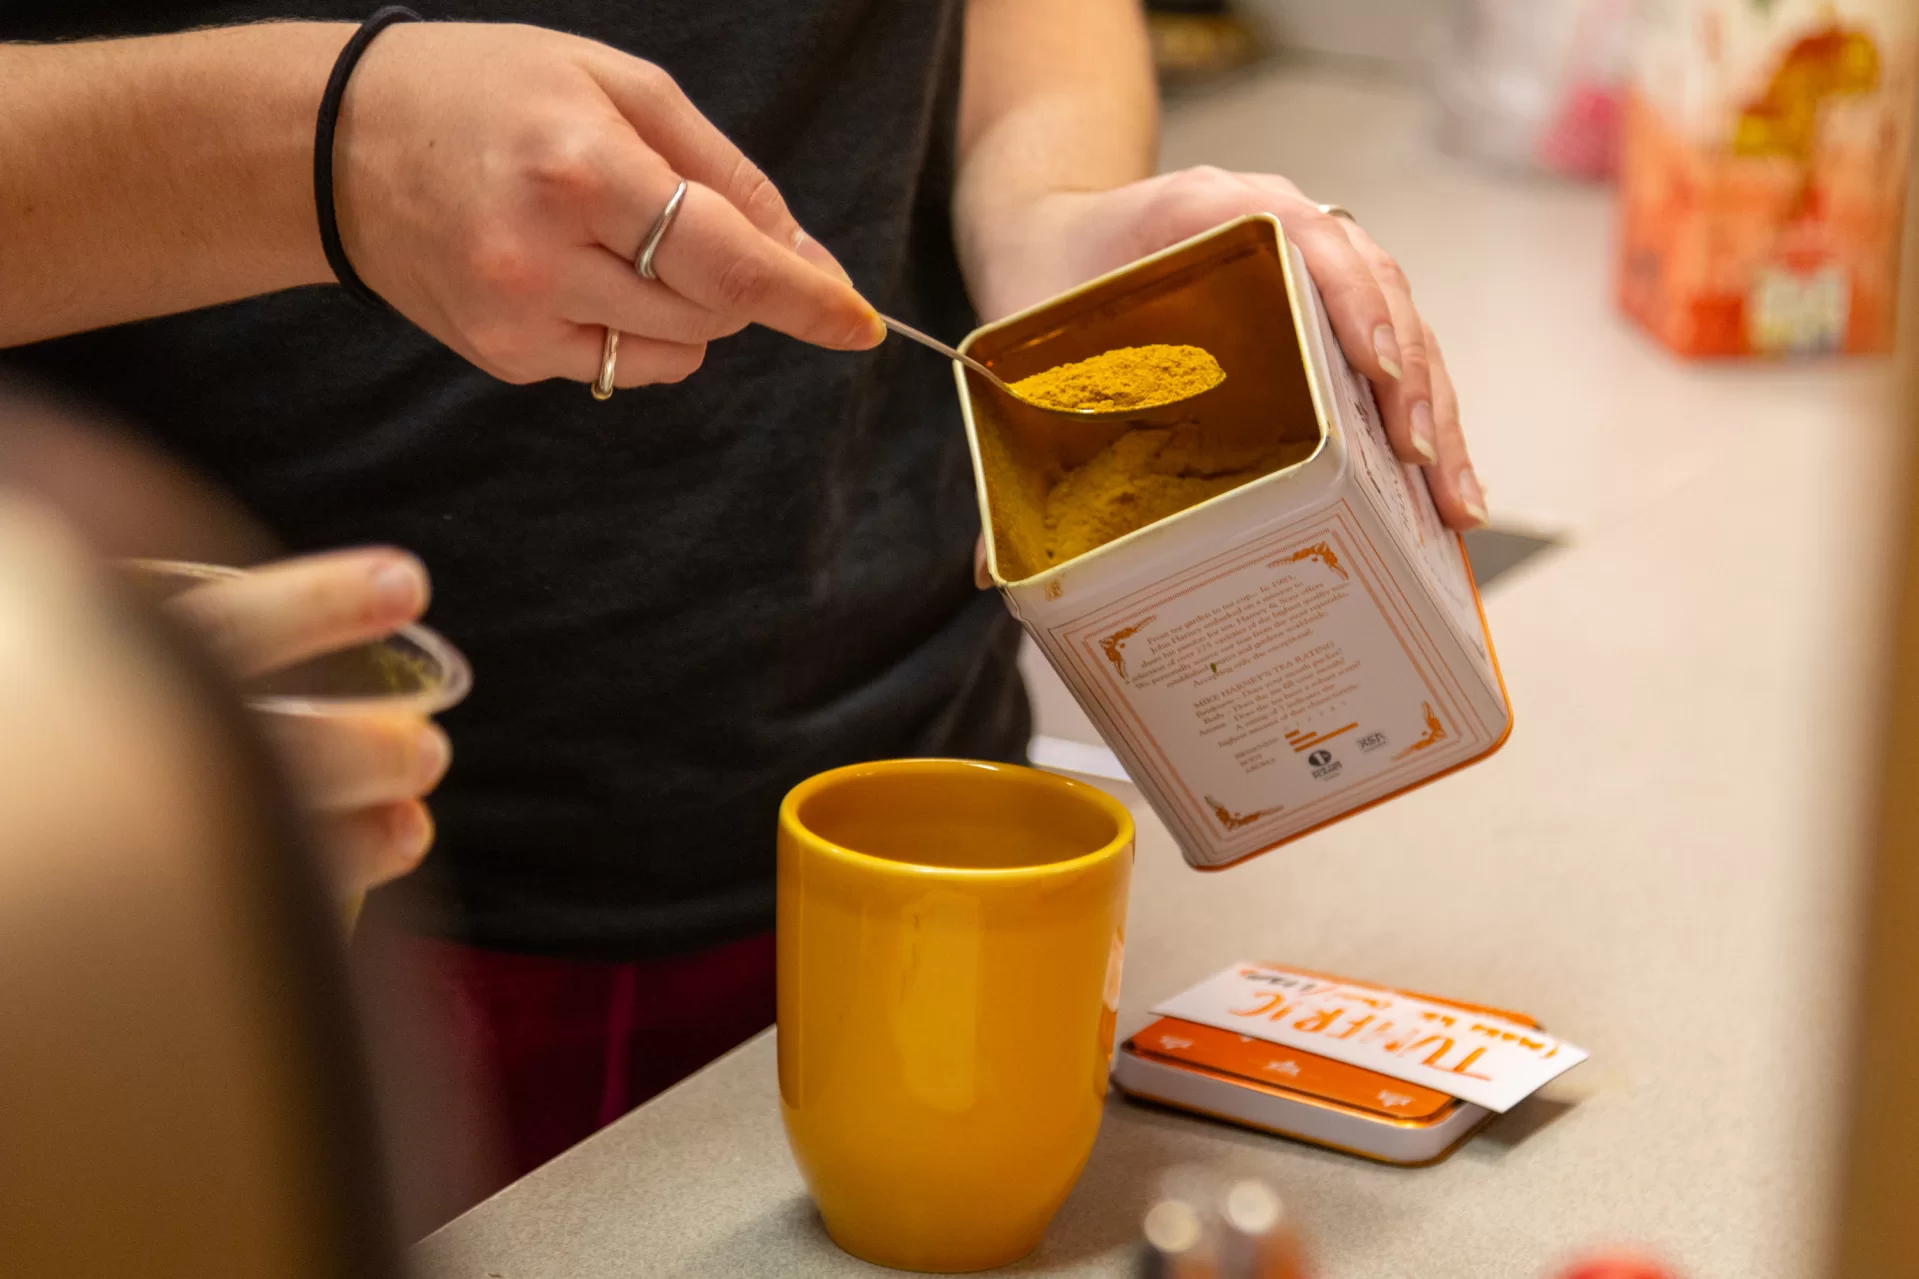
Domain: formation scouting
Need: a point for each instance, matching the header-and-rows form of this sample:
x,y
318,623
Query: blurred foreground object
x,y
1878,1231
114,491
1193,38
103,494
1763,174
181,1094
1619,1266
1202,1227
1533,84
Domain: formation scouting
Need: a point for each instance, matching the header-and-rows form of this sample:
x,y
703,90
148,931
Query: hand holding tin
x,y
1067,237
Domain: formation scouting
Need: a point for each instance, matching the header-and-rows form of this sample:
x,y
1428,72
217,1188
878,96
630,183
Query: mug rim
x,y
790,821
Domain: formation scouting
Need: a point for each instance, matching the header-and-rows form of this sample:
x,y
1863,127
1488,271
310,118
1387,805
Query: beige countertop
x,y
1658,865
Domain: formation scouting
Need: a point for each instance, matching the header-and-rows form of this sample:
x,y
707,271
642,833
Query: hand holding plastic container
x,y
324,649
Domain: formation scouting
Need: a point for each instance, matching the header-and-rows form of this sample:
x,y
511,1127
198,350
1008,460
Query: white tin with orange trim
x,y
1281,655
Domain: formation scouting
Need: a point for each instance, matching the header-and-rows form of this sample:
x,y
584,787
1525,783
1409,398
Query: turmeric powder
x,y
1146,475
1127,377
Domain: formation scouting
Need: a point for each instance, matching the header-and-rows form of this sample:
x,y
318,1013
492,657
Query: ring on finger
x,y
643,263
609,359
1337,211
643,260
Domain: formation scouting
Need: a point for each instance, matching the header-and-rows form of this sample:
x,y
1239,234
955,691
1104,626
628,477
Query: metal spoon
x,y
908,331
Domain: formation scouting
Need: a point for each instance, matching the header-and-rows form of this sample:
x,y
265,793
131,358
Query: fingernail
x,y
436,754
399,587
1422,416
412,830
815,252
870,335
1471,495
1386,347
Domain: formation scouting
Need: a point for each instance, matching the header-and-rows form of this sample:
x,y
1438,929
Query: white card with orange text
x,y
1477,1057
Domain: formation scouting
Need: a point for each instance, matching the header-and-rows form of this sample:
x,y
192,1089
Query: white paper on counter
x,y
1476,1057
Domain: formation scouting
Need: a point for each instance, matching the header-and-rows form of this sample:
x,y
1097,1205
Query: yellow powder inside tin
x,y
1146,475
1127,377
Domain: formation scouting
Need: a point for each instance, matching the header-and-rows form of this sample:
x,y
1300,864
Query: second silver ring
x,y
1338,211
643,263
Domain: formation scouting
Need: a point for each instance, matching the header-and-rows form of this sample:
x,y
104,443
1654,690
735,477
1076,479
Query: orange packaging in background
x,y
1763,174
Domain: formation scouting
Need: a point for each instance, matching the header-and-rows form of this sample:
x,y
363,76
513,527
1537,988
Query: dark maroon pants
x,y
565,1047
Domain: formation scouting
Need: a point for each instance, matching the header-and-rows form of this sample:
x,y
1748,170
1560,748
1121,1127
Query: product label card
x,y
1478,1057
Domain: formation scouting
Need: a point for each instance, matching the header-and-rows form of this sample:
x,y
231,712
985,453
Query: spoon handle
x,y
908,331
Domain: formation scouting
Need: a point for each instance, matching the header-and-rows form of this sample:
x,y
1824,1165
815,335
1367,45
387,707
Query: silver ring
x,y
643,260
1338,211
609,357
643,263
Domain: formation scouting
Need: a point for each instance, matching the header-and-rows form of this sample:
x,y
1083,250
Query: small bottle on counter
x,y
1257,1239
1177,1243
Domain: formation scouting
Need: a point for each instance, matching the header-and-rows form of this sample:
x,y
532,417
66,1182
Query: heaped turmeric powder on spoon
x,y
1127,377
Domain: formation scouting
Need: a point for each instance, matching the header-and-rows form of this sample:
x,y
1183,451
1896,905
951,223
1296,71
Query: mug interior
x,y
955,816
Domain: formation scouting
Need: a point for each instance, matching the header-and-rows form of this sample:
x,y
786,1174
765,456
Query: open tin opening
x,y
1226,291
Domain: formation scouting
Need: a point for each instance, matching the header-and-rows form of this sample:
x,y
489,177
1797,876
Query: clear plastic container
x,y
414,671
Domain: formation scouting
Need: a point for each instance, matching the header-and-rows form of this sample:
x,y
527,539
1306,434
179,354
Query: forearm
x,y
147,176
1057,96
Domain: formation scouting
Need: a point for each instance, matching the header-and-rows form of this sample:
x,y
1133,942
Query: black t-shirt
x,y
678,603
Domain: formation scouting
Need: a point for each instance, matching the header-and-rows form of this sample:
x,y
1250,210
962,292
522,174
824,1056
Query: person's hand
x,y
361,776
1066,238
495,182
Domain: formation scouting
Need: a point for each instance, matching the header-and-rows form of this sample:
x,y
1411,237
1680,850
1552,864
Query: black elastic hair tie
x,y
323,152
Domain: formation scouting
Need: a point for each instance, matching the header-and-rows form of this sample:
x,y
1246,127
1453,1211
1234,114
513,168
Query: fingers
x,y
1455,487
1193,200
1405,401
816,253
733,248
714,257
660,112
1371,309
602,289
358,761
297,609
373,845
982,576
642,361
1355,303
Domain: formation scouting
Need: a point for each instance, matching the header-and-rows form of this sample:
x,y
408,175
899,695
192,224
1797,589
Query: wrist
x,y
263,229
999,239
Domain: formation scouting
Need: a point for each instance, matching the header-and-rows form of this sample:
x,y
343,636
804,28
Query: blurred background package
x,y
1763,173
1533,84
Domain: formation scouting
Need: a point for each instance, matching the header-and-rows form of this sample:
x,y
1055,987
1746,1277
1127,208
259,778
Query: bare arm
x,y
1057,132
140,177
492,182
1057,96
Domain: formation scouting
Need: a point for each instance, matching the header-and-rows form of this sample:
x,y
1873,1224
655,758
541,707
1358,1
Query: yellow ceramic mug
x,y
950,936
